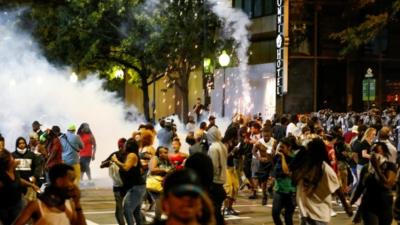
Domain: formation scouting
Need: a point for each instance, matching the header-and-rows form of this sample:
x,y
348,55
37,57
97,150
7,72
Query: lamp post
x,y
207,76
223,60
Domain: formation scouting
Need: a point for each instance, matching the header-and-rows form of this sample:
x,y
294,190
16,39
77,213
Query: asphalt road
x,y
98,205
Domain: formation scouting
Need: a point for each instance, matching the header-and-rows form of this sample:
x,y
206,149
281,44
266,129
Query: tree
x,y
378,14
146,41
97,36
193,33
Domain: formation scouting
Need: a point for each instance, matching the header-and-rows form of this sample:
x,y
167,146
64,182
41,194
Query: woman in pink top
x,y
87,153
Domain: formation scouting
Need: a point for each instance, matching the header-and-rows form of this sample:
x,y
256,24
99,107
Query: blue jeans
x,y
132,203
283,201
156,198
383,218
85,166
119,194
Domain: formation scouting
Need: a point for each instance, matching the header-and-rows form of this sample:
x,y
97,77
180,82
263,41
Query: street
x,y
98,205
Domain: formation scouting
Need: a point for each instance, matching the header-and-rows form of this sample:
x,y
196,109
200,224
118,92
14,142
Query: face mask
x,y
21,151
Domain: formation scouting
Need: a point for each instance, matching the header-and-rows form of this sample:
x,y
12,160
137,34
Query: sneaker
x,y
357,217
233,212
264,201
82,184
333,213
225,212
230,212
253,196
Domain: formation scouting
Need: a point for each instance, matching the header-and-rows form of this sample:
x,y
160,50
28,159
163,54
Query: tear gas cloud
x,y
33,89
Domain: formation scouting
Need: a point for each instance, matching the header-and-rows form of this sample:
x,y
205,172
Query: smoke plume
x,y
32,89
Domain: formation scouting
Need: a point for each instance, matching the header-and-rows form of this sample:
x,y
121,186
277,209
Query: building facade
x,y
318,75
321,77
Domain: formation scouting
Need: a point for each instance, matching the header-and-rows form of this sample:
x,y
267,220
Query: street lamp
x,y
223,60
119,74
73,78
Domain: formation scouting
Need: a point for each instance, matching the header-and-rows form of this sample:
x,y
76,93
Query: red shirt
x,y
87,149
348,136
332,157
177,160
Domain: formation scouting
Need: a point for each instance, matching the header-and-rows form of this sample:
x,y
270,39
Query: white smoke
x,y
236,24
33,89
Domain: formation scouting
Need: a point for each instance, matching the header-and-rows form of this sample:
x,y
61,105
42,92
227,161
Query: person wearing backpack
x,y
71,145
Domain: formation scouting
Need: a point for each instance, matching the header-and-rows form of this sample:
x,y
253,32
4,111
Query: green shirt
x,y
284,185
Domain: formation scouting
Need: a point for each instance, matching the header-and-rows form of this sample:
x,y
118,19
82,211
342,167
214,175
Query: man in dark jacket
x,y
279,130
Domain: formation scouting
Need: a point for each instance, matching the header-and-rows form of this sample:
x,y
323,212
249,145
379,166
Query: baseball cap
x,y
121,142
71,127
182,183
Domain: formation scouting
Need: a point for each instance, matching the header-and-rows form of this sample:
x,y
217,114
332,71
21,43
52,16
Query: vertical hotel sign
x,y
281,46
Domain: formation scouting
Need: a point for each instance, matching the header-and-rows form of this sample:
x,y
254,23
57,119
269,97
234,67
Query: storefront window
x,y
258,8
247,6
237,4
255,8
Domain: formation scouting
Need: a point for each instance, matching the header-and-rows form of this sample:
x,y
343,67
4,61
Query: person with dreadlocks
x,y
316,182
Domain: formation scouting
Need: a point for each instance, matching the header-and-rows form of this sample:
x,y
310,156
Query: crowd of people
x,y
304,161
40,179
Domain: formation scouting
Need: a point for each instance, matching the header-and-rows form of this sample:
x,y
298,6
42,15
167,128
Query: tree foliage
x,y
378,15
193,33
144,39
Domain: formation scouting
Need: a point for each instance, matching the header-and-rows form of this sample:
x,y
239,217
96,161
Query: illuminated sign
x,y
279,48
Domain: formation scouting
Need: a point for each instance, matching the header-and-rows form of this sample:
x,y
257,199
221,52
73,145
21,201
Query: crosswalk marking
x,y
232,217
98,212
89,222
150,216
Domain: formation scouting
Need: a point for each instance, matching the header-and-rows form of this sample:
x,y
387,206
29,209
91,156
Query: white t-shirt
x,y
317,205
392,151
269,145
293,129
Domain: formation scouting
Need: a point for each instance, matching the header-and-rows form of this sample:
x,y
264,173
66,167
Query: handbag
x,y
154,183
113,172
